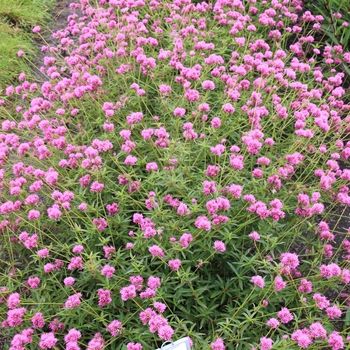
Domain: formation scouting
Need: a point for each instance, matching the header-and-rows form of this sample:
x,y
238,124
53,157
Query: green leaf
x,y
347,319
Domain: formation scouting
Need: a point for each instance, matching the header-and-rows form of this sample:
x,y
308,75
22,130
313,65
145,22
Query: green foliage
x,y
17,18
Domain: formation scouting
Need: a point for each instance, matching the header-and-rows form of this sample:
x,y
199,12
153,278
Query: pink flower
x,y
73,301
33,214
218,344
128,292
114,327
43,253
100,224
108,251
96,343
191,95
273,323
333,312
228,108
75,263
306,286
130,160
290,260
219,246
174,264
153,282
279,283
68,281
321,301
185,240
284,315
159,306
48,340
36,29
104,297
107,271
335,340
258,281
179,112
156,251
208,85
212,170
82,206
13,300
318,331
164,89
254,235
202,222
72,336
33,282
97,187
38,320
165,332
134,346
151,166
266,343
78,249
216,123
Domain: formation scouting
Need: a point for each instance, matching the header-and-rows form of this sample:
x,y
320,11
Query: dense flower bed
x,y
172,177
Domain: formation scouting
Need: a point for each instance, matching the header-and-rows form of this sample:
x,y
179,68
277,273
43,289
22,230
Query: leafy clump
x,y
173,177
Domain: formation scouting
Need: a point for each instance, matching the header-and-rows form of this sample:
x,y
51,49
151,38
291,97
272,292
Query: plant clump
x,y
173,177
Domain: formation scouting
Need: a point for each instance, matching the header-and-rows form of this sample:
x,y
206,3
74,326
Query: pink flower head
x,y
134,346
68,281
202,222
104,297
128,292
290,260
78,249
174,264
218,344
266,343
153,282
216,123
13,300
130,160
208,85
228,108
47,340
36,29
285,315
179,112
333,312
114,327
107,271
73,301
219,246
279,283
159,306
33,282
273,323
38,320
254,236
151,166
165,332
156,251
335,340
72,336
258,281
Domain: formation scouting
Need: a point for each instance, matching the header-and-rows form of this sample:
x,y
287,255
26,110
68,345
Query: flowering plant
x,y
173,177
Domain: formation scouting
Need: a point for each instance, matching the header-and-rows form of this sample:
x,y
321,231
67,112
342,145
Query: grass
x,y
17,18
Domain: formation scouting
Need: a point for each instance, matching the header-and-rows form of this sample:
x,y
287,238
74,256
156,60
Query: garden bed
x,y
177,170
